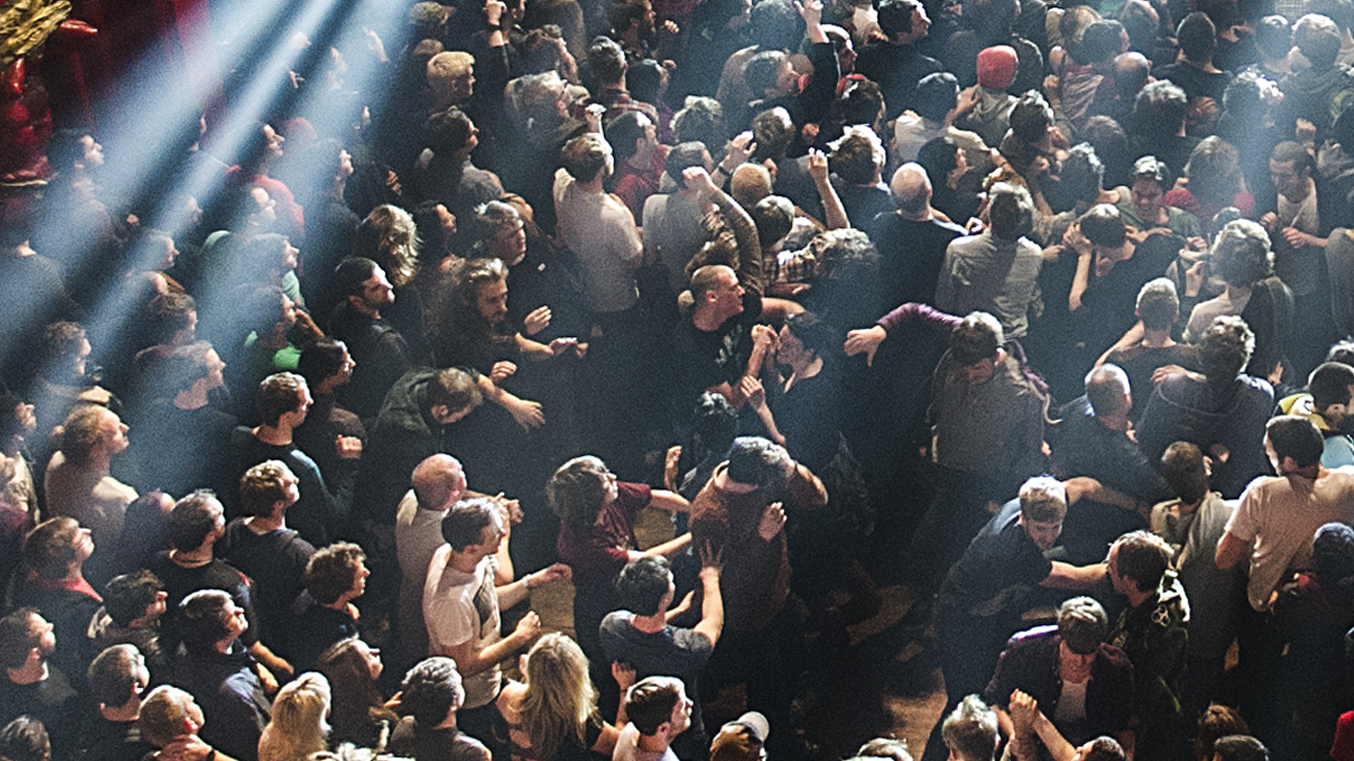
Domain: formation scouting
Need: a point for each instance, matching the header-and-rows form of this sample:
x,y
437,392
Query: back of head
x,y
857,155
1295,437
701,120
1142,557
977,337
773,215
1217,721
643,583
684,156
1197,37
1274,36
193,519
1242,255
465,522
895,16
1082,625
279,394
997,67
430,690
1318,38
1183,468
332,571
25,739
1225,349
762,71
650,701
1240,748
202,617
1101,40
1031,117
1161,107
577,491
115,674
126,597
624,131
1103,226
1105,748
936,95
885,747
81,433
585,156
911,189
605,60
1333,555
774,131
1043,500
321,360
1330,384
49,549
1010,211
455,389
1214,170
756,461
164,713
1158,304
937,157
1107,390
750,185
1083,173
971,730
776,25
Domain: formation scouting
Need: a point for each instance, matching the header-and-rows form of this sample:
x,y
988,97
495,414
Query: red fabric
x,y
598,555
80,586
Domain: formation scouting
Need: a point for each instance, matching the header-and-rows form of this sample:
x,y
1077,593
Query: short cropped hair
x,y
1318,38
650,701
203,620
49,548
279,394
1143,557
448,66
1103,226
857,155
971,730
761,71
585,156
430,690
1158,304
261,487
1242,253
455,389
757,461
332,570
126,597
113,675
18,637
1182,467
1197,37
194,518
643,583
936,95
82,436
465,522
1295,437
25,739
1043,500
1010,210
163,714
1105,388
1082,624
1240,748
1329,384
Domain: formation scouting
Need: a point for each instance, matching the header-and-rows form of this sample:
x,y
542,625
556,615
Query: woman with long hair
x,y
359,712
299,725
553,715
389,237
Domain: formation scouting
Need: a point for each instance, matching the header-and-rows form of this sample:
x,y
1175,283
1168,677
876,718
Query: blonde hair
x,y
299,724
560,699
448,66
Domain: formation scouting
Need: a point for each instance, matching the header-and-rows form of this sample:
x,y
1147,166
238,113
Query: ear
x,y
438,410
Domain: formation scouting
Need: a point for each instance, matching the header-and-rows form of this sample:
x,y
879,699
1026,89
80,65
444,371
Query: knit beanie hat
x,y
997,67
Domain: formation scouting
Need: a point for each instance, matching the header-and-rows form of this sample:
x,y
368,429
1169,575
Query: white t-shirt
x,y
601,232
1281,515
418,534
627,748
463,607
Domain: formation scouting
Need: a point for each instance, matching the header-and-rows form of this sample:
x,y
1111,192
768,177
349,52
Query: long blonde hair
x,y
560,699
299,724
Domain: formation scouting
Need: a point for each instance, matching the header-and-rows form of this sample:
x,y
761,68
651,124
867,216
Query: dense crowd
x,y
1037,309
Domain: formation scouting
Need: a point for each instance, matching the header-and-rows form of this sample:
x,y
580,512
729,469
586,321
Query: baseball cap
x,y
741,739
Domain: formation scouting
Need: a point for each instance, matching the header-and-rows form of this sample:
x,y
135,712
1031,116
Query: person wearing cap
x,y
1083,683
659,711
743,739
741,514
1145,211
990,115
1327,403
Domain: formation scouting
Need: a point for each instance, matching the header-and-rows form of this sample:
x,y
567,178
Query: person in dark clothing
x,y
324,613
217,670
911,240
54,554
1195,73
260,545
379,351
1158,310
895,63
431,695
332,435
117,677
1316,94
33,686
133,605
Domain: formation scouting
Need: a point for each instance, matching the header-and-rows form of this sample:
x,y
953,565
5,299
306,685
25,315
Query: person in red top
x,y
596,539
640,159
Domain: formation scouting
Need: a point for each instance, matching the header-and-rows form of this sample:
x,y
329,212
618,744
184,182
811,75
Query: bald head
x,y
439,482
1107,389
911,190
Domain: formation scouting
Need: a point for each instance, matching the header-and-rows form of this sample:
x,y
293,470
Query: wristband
x,y
494,27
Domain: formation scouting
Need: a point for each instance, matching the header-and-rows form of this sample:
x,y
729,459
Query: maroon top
x,y
598,555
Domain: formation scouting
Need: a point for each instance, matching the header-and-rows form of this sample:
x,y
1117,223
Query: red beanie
x,y
997,67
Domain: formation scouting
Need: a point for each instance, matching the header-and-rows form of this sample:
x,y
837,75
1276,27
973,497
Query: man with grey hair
x,y
996,271
911,240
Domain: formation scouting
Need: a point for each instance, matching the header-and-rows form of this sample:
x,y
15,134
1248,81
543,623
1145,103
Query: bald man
x,y
911,239
438,483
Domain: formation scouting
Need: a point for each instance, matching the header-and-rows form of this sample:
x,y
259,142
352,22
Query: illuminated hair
x,y
560,699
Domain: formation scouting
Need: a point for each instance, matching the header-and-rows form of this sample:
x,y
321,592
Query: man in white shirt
x,y
659,710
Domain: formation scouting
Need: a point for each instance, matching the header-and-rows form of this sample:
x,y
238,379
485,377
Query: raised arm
x,y
833,209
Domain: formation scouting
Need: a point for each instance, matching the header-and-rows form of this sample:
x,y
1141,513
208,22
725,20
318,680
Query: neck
x,y
191,399
262,524
340,604
362,307
706,319
1157,339
465,562
1310,472
124,713
591,186
1235,292
1117,421
277,435
190,558
1305,189
653,743
651,624
450,722
224,646
1137,597
31,672
99,462
807,366
925,215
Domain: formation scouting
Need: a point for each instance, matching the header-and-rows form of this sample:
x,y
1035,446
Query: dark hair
x,y
1225,349
193,519
1240,748
1031,116
465,522
857,156
1182,467
683,156
939,156
430,690
1274,36
1295,437
321,359
184,366
1102,226
1101,40
642,584
1214,169
605,60
1197,36
895,16
1329,384
1082,625
169,314
1083,173
776,25
1105,748
126,597
650,701
576,492
17,637
48,550
643,80
756,461
1158,304
1217,721
351,273
1160,107
936,95
701,120
332,571
279,394
977,337
112,675
584,156
774,217
716,421
25,739
622,133
1333,554
1142,557
1010,211
202,620
540,49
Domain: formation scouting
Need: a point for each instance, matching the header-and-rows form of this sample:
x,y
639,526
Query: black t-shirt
x,y
180,582
104,740
314,516
910,256
1139,362
703,359
435,744
276,564
51,701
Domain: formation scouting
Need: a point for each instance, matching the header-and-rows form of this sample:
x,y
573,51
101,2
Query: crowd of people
x,y
1039,310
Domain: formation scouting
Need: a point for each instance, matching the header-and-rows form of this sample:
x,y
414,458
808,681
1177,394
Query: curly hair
x,y
389,237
